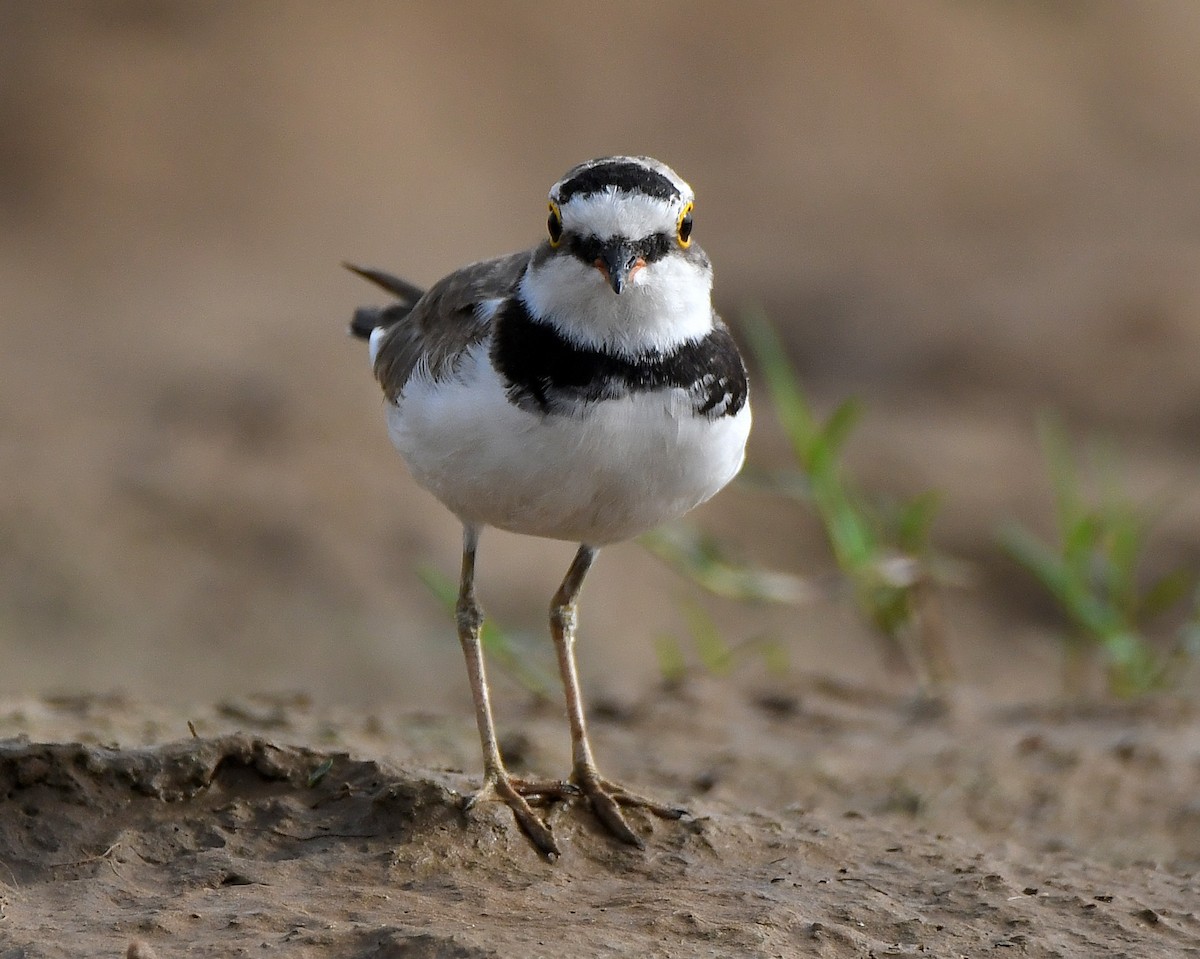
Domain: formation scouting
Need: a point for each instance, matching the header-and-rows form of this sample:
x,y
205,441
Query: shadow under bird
x,y
583,390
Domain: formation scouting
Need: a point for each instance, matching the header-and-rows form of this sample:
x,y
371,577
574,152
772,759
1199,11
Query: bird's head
x,y
620,216
620,270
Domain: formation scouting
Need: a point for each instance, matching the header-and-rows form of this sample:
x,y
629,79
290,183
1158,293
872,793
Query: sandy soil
x,y
825,820
960,213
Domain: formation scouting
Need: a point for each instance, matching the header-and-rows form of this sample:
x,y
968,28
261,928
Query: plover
x,y
583,390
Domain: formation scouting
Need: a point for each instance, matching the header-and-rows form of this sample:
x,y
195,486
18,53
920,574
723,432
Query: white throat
x,y
667,303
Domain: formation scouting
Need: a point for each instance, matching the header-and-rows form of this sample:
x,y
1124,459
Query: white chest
x,y
616,469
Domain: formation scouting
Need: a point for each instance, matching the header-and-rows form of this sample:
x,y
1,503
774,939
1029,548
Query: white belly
x,y
618,469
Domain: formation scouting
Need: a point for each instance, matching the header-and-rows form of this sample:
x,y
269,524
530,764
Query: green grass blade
x,y
671,664
914,522
498,642
791,407
701,559
1165,593
1038,559
1063,474
715,654
840,425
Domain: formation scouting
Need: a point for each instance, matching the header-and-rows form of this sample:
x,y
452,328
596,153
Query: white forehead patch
x,y
613,212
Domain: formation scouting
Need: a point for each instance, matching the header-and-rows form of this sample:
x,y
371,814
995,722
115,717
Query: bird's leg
x,y
605,797
497,784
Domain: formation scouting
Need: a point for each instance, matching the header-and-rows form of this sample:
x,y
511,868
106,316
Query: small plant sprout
x,y
504,646
703,559
323,770
715,655
883,552
1093,574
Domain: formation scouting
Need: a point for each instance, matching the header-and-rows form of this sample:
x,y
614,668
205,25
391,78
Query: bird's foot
x,y
606,799
517,795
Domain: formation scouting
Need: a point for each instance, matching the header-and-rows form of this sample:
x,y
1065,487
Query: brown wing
x,y
444,323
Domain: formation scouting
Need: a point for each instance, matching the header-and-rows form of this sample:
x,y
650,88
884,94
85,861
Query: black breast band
x,y
545,372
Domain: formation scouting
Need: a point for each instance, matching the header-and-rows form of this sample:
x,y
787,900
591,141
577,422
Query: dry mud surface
x,y
962,214
827,820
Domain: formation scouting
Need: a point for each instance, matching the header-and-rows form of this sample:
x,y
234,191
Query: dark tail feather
x,y
366,320
393,284
369,318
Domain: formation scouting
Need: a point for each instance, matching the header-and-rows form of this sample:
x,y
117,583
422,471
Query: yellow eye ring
x,y
554,224
683,226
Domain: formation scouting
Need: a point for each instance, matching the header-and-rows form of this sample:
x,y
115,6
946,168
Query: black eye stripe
x,y
650,248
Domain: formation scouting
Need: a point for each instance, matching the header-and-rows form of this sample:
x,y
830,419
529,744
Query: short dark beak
x,y
618,261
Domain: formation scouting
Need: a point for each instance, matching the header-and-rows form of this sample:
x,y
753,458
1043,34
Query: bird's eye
x,y
683,229
554,224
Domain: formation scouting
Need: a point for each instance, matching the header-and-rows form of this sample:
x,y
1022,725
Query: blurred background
x,y
961,213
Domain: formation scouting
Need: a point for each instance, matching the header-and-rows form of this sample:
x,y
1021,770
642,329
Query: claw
x,y
606,799
608,812
514,793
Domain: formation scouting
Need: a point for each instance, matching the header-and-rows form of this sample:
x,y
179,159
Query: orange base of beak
x,y
638,264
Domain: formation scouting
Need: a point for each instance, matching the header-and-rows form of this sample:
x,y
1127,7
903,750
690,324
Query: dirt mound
x,y
237,843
